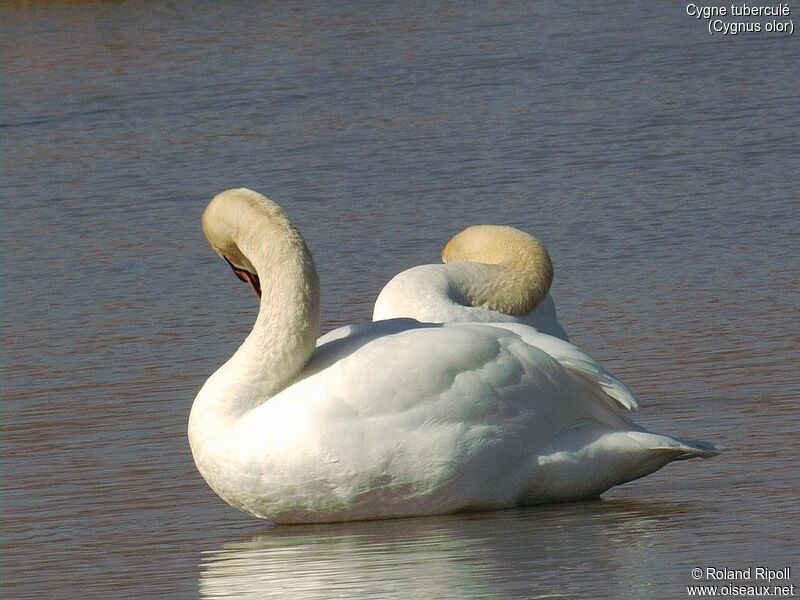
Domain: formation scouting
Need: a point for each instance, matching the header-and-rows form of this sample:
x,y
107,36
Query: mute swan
x,y
397,418
493,273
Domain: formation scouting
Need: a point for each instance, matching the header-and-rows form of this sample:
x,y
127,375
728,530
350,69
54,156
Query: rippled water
x,y
659,165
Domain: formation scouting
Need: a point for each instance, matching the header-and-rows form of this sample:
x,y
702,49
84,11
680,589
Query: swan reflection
x,y
539,552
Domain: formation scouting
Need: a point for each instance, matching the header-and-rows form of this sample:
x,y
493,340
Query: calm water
x,y
659,165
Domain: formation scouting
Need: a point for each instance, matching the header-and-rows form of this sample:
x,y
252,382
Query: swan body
x,y
398,418
492,274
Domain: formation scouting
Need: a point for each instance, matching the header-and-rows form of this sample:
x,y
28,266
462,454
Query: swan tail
x,y
643,452
600,460
679,449
699,449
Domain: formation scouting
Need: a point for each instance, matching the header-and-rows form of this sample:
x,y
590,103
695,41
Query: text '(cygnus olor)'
x,y
398,418
493,274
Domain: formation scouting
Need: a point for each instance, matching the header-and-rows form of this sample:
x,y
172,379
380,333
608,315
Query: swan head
x,y
526,265
238,225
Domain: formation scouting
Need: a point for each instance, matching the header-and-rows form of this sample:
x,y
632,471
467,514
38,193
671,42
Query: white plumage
x,y
398,418
494,274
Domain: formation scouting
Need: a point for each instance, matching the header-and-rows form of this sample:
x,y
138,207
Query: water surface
x,y
659,166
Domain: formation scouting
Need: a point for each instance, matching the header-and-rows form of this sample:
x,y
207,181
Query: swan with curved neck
x,y
398,418
492,273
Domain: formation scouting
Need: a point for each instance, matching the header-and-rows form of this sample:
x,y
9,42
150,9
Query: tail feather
x,y
682,449
699,449
584,462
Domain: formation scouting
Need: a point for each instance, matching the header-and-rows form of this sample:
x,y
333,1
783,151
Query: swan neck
x,y
285,331
511,270
515,286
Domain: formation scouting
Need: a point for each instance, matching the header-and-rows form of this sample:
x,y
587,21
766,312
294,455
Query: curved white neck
x,y
285,332
499,287
506,270
283,336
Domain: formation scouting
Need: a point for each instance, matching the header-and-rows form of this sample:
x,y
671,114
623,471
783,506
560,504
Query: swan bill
x,y
246,276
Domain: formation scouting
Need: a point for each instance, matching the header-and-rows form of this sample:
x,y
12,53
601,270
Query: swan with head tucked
x,y
492,273
397,418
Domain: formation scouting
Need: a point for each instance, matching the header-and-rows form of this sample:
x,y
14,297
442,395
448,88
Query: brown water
x,y
658,164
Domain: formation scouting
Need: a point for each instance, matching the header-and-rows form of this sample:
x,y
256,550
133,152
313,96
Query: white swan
x,y
492,274
397,418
